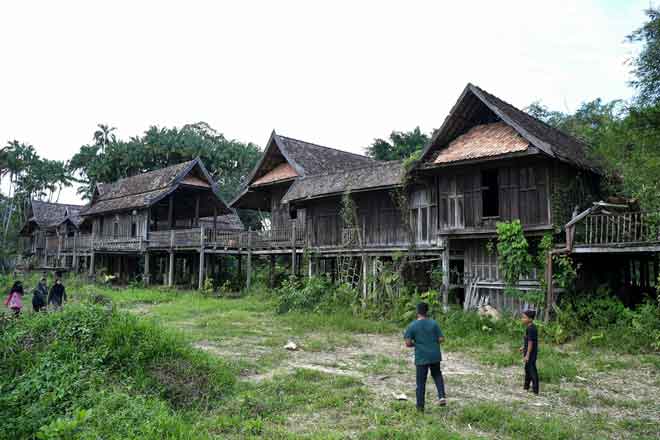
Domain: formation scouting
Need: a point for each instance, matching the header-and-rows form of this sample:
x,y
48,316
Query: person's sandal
x,y
442,402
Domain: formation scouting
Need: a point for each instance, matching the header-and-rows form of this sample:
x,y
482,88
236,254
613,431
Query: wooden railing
x,y
289,236
614,229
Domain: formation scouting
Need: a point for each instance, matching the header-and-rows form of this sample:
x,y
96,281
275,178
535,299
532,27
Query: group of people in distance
x,y
425,335
41,296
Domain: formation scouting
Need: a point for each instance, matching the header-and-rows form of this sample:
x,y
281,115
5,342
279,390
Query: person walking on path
x,y
40,296
57,294
425,335
15,298
530,350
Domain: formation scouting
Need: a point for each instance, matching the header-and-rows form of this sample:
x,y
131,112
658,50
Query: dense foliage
x,y
401,144
98,373
109,158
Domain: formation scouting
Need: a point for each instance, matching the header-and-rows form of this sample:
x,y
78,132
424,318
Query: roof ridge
x,y
328,148
379,163
146,173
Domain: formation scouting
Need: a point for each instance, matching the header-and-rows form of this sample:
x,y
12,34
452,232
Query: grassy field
x,y
341,382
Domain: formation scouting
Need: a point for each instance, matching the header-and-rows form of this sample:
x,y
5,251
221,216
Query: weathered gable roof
x,y
47,214
379,176
476,106
144,189
303,158
316,159
484,140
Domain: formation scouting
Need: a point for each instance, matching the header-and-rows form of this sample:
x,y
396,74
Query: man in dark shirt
x,y
425,335
57,294
530,351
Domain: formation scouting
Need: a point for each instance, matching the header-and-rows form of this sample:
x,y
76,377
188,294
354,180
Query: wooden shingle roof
x,y
475,107
287,159
145,189
382,175
47,214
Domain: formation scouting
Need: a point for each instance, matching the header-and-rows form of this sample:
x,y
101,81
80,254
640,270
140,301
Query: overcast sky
x,y
335,73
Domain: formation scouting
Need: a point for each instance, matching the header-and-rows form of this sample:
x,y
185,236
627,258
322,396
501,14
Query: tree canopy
x,y
109,158
401,144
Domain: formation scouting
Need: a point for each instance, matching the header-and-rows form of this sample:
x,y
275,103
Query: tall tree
x,y
646,66
401,144
228,161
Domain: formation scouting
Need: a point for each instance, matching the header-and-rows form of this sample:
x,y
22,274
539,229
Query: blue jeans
x,y
422,374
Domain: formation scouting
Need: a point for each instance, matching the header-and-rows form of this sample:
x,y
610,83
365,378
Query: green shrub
x,y
55,365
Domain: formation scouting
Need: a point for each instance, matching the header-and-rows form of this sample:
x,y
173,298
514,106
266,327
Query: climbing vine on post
x,y
513,254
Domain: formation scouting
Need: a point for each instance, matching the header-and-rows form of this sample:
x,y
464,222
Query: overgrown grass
x,y
62,371
95,372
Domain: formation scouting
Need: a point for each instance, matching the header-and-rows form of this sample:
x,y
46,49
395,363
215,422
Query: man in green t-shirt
x,y
425,335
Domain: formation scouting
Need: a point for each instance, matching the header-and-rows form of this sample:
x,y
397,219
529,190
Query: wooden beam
x,y
197,210
146,275
445,276
248,275
200,283
293,248
170,212
170,272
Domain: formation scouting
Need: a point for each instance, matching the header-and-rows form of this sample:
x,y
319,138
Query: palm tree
x,y
104,135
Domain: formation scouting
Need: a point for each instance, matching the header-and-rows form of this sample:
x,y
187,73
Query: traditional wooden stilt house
x,y
159,225
50,235
489,162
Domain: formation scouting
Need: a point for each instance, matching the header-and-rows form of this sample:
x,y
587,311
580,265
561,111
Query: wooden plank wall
x,y
124,221
523,194
377,214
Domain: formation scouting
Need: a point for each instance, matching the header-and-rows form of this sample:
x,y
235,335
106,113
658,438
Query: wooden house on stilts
x,y
489,162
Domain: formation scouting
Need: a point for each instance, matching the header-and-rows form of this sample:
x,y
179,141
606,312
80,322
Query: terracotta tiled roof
x,y
483,141
282,171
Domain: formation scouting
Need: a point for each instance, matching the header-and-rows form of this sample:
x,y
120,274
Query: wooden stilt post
x,y
271,272
170,272
374,272
310,269
200,283
293,248
74,263
91,256
550,296
146,277
445,276
240,266
248,275
365,274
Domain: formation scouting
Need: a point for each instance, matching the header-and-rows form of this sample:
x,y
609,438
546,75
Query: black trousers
x,y
422,374
531,376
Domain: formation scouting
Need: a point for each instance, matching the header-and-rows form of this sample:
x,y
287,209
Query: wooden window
x,y
451,203
490,193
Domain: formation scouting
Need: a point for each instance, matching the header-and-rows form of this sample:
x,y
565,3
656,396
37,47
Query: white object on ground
x,y
400,396
291,346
